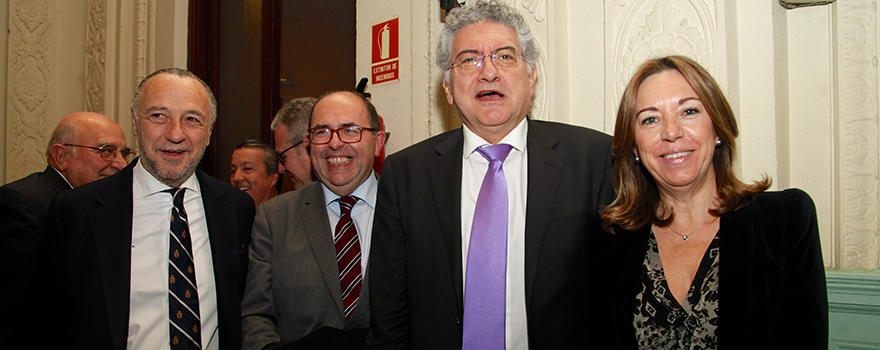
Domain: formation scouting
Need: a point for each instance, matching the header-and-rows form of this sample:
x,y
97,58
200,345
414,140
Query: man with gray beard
x,y
155,256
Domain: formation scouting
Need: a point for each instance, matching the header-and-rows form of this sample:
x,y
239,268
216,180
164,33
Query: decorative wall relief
x,y
141,40
858,134
28,96
639,30
430,90
95,58
537,8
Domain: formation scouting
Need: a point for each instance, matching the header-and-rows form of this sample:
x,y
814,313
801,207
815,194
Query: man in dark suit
x,y
112,277
433,285
296,291
84,147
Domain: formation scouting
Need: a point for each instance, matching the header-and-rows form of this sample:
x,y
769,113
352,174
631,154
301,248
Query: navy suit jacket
x,y
416,261
772,291
23,207
85,263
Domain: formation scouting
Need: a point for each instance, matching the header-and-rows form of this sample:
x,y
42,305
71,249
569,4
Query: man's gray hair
x,y
135,102
485,11
294,115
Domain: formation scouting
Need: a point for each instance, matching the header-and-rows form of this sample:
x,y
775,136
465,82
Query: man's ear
x,y
380,143
60,156
448,90
134,126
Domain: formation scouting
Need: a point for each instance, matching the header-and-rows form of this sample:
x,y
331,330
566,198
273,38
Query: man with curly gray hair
x,y
480,232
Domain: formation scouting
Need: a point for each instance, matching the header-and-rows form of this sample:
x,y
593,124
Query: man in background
x,y
254,170
153,257
307,282
290,126
84,147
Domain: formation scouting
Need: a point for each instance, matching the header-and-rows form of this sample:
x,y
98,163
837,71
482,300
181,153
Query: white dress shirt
x,y
151,224
473,170
361,214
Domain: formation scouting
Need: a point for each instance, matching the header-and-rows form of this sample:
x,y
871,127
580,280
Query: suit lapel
x,y
444,174
223,231
317,226
111,225
544,170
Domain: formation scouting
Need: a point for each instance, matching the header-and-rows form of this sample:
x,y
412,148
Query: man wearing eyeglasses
x,y
480,232
84,147
290,125
307,280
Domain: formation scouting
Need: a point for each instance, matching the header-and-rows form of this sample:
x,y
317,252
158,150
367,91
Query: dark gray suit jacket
x,y
85,263
293,278
415,259
23,207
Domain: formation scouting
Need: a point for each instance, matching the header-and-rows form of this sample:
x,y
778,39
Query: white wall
x,y
803,83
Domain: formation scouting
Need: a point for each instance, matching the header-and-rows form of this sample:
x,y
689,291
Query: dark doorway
x,y
256,54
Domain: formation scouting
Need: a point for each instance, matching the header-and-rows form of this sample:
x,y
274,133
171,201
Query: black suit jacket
x,y
415,258
86,261
23,207
772,291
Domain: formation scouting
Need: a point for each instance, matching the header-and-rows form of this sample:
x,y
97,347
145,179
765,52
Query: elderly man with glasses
x,y
84,147
307,281
480,231
290,126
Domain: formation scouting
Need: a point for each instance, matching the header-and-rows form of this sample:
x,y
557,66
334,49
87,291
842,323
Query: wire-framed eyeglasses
x,y
470,61
108,152
280,155
347,134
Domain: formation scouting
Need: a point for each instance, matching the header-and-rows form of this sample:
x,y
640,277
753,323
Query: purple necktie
x,y
484,293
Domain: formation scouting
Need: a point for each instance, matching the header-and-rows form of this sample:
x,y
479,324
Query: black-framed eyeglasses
x,y
468,62
347,134
108,152
281,157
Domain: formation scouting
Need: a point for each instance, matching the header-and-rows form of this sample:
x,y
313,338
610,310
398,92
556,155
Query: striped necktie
x,y
183,298
348,256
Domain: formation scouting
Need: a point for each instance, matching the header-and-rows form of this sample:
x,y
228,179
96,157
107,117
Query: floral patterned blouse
x,y
660,322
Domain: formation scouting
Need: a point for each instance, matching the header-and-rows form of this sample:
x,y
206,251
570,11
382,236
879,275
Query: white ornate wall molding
x,y
144,10
28,94
642,29
857,78
431,71
95,56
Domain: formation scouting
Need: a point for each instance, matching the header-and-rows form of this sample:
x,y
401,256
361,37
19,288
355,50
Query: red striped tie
x,y
348,256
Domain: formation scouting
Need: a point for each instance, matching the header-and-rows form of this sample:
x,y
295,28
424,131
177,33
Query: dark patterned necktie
x,y
348,256
484,295
183,298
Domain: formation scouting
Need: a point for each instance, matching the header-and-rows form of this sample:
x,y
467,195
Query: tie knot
x,y
495,152
346,203
177,194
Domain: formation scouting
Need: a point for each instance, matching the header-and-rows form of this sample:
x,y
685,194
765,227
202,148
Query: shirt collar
x,y
366,192
146,185
516,138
